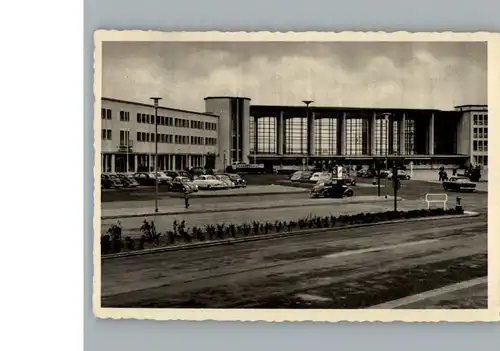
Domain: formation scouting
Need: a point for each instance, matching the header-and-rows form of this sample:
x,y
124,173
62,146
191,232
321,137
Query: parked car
x,y
296,176
402,175
305,176
175,174
316,177
127,180
237,180
110,181
145,178
226,180
207,182
183,184
165,179
198,171
459,184
331,189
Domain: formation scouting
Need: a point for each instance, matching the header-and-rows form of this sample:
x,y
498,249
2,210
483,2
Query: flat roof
x,y
484,106
302,109
227,97
159,106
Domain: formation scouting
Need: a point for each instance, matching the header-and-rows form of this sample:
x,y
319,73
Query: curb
x,y
149,214
275,236
298,191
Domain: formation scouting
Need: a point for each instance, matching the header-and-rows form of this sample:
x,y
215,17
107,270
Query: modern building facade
x,y
231,130
185,138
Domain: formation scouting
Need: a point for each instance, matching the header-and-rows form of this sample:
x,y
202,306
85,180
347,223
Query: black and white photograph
x,y
291,175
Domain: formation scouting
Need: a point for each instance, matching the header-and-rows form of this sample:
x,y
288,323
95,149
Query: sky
x,y
345,74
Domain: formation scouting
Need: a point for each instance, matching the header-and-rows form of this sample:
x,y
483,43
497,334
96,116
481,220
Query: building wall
x,y
222,108
197,136
234,125
472,135
464,142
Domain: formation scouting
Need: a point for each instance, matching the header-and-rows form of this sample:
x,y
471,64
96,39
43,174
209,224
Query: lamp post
x,y
308,102
156,99
386,119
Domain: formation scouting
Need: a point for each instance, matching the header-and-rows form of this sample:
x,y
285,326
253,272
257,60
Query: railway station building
x,y
232,130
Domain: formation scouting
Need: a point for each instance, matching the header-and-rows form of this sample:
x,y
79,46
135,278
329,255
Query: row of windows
x,y
481,120
480,145
106,134
162,120
125,116
482,160
177,139
105,113
481,133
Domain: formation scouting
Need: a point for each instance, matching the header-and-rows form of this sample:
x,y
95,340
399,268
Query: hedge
x,y
112,241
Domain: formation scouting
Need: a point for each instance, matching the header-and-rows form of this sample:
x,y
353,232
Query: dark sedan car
x,y
331,188
459,184
182,184
175,174
110,181
236,179
128,181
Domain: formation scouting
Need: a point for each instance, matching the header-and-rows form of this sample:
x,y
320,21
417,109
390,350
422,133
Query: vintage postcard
x,y
296,176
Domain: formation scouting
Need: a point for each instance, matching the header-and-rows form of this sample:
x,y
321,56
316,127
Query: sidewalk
x,y
480,186
144,209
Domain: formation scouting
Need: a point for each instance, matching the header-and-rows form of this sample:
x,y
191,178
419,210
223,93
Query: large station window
x,y
382,136
410,137
266,135
356,136
325,136
296,136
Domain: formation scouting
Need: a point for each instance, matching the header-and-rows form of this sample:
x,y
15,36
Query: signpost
x,y
339,172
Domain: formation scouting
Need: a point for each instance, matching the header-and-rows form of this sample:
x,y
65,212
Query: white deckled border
x,y
281,315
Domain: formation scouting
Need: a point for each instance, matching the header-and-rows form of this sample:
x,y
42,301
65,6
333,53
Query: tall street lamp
x,y
386,119
156,99
308,102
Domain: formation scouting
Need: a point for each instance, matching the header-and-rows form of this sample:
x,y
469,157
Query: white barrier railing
x,y
439,198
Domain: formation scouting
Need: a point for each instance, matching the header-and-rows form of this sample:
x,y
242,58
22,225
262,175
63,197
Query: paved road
x,y
352,268
471,202
412,189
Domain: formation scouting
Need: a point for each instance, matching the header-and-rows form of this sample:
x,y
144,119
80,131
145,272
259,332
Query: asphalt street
x,y
414,195
350,268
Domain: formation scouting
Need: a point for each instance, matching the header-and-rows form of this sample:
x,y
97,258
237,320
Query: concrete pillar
x,y
135,163
310,134
402,136
280,137
373,130
343,134
173,164
245,137
431,135
113,163
256,134
203,160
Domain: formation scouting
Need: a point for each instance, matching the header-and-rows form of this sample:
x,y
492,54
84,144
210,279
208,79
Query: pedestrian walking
x,y
186,199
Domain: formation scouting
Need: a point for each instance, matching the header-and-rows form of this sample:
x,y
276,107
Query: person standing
x,y
186,199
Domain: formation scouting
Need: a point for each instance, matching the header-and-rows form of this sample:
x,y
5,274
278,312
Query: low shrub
x,y
111,241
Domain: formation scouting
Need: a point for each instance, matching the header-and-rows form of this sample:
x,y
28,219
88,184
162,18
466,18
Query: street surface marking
x,y
307,297
431,293
379,248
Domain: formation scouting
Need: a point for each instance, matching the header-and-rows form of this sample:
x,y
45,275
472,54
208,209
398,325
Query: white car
x,y
296,175
207,181
402,175
320,177
226,180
